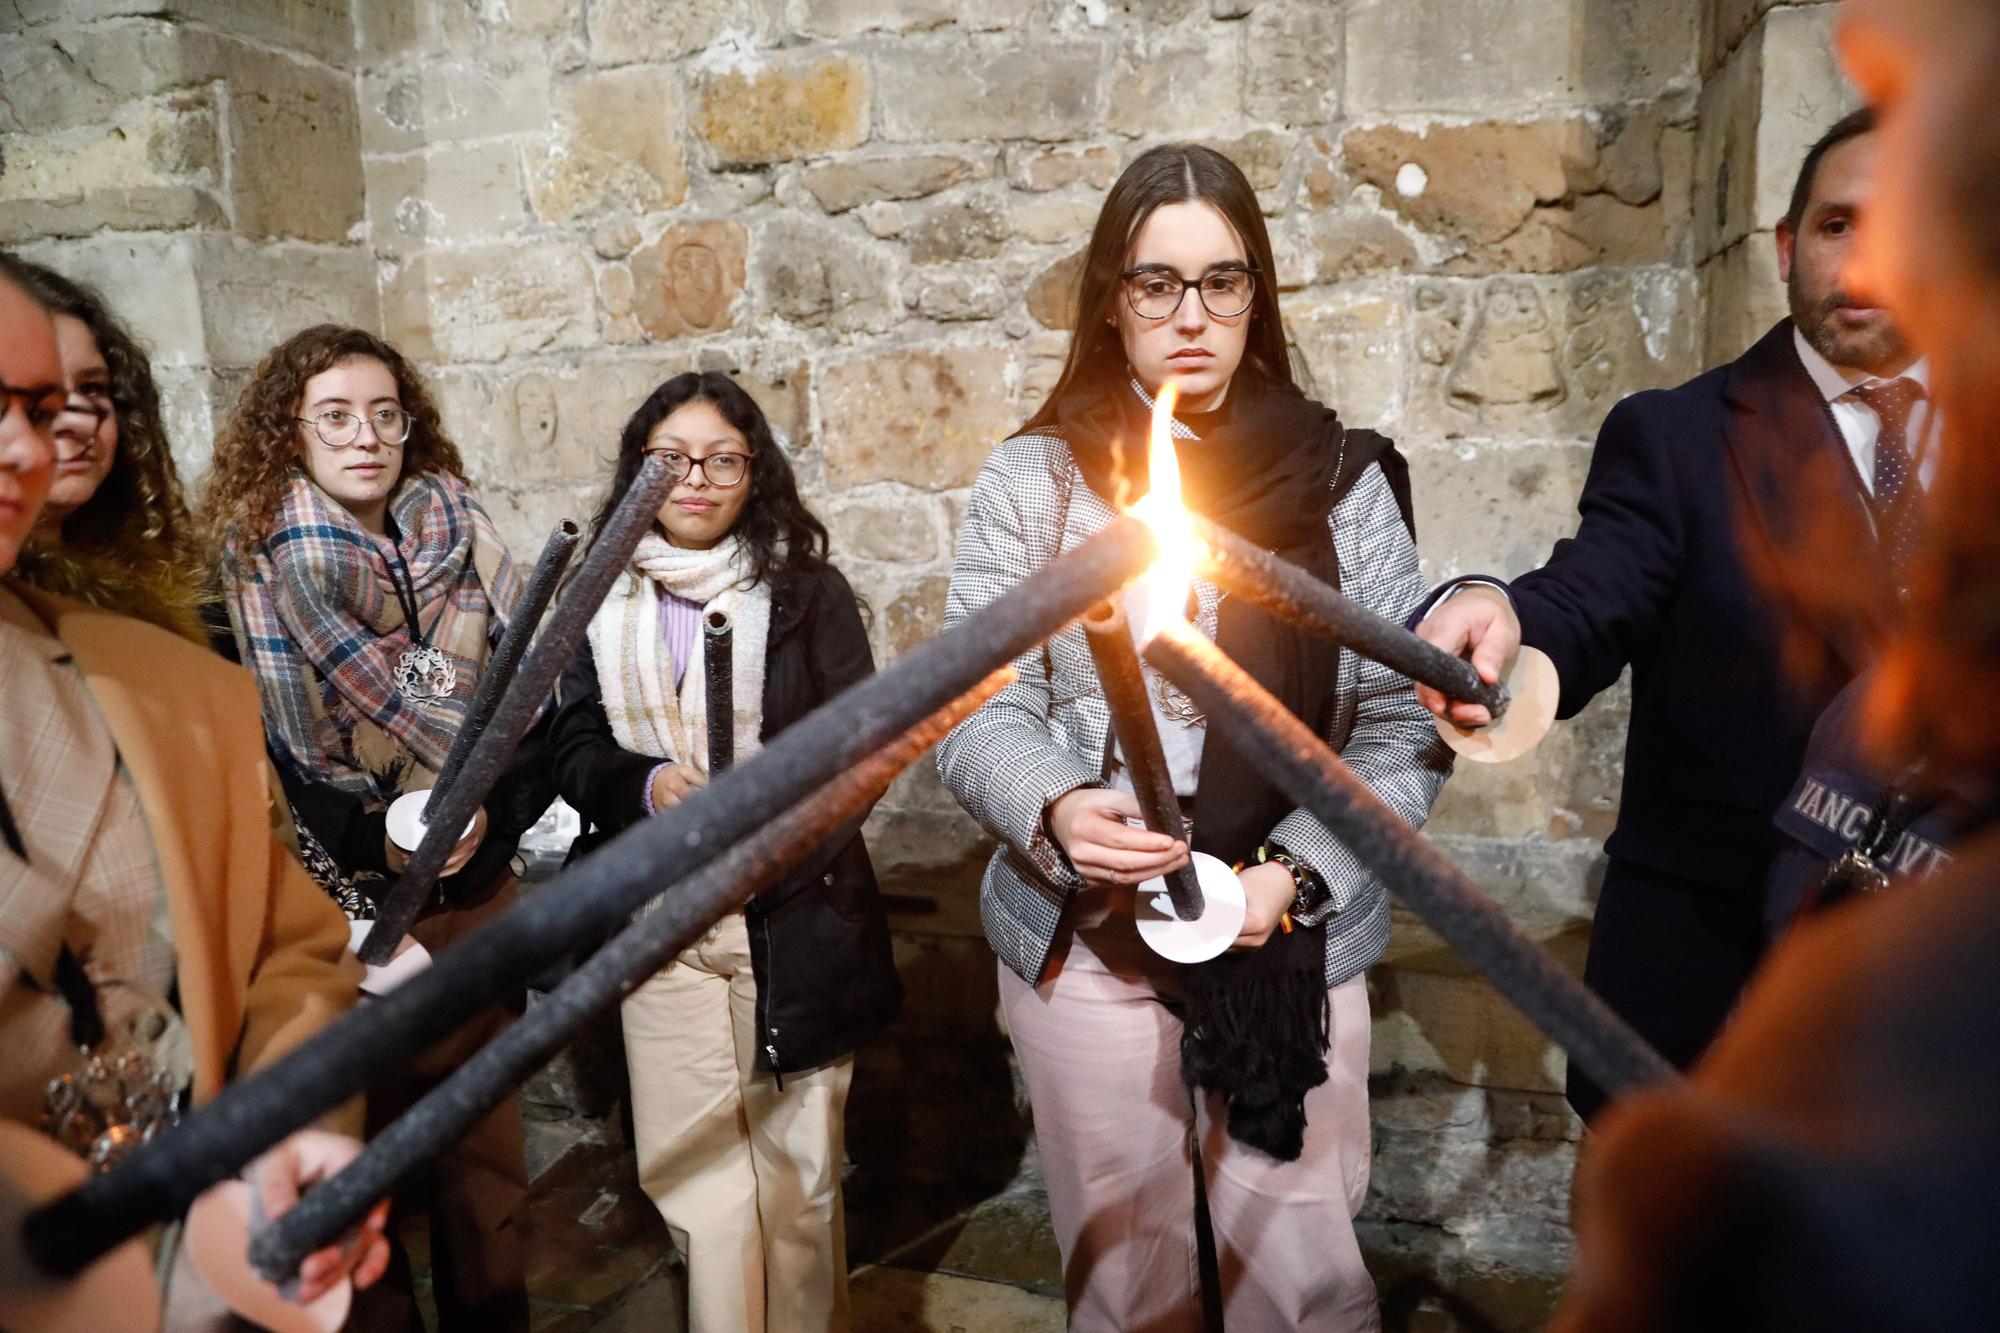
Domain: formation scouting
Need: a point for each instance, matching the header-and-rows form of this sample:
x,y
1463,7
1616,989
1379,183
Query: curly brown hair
x,y
130,546
259,446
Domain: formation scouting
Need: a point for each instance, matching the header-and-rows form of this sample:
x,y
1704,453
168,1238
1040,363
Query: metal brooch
x,y
425,675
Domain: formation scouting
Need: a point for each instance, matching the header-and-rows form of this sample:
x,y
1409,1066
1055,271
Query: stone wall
x,y
1493,218
198,159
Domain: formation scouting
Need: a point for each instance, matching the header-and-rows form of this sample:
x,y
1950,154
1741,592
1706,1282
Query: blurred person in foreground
x,y
148,918
1832,1163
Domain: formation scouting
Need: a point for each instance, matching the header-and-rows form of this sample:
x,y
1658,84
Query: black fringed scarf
x,y
1270,467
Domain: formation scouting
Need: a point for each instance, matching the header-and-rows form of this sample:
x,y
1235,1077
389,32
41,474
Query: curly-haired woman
x,y
365,587
115,531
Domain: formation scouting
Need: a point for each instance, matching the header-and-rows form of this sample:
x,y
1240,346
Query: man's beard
x,y
1850,349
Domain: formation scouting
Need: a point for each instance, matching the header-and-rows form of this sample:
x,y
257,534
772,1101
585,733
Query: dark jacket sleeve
x,y
1603,594
840,655
603,781
837,655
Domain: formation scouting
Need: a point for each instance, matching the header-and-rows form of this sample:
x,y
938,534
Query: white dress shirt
x,y
1859,426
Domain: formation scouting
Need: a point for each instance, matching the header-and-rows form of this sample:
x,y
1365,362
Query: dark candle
x,y
1132,721
718,655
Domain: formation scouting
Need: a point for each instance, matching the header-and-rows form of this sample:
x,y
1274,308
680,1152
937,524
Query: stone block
x,y
1045,90
1545,358
449,194
1448,1020
1261,154
899,528
851,182
158,166
1295,70
971,228
915,615
1037,169
1743,295
687,282
1353,348
255,296
783,109
386,30
1056,220
1724,25
627,31
406,108
61,75
490,302
820,274
1351,244
616,145
1494,508
960,293
923,416
294,147
1190,88
851,18
1052,295
1540,196
1475,55
1803,93
155,277
1547,886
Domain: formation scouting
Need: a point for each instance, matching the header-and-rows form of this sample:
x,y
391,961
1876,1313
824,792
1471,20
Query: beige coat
x,y
262,951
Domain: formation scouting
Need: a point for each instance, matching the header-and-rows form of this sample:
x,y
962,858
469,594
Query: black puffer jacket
x,y
819,939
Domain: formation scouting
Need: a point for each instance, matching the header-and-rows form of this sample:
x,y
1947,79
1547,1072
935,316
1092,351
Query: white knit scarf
x,y
633,670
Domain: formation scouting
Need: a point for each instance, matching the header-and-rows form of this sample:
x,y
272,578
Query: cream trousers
x,y
1120,1137
746,1174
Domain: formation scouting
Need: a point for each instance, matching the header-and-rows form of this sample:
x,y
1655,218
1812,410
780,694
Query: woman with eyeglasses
x,y
115,530
364,587
741,1050
1243,1080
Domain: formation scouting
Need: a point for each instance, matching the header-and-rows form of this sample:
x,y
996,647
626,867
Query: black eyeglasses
x,y
40,406
724,470
1156,293
93,403
338,429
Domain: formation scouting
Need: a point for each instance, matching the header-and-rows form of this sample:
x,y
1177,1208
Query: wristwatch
x,y
1309,894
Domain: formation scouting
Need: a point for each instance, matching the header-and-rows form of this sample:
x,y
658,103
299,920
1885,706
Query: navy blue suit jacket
x,y
1707,508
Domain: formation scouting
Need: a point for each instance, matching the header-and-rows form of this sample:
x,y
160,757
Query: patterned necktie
x,y
1898,495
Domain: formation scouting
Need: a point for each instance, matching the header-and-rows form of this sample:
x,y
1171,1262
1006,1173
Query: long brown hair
x,y
259,447
1174,173
129,547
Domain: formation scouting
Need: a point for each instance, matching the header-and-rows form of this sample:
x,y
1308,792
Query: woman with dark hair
x,y
1831,1163
1248,1072
114,533
741,1050
365,587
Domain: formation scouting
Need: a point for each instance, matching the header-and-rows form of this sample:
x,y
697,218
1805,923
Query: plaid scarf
x,y
321,628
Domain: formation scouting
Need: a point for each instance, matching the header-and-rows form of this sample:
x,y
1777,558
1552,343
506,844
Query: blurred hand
x,y
675,783
461,851
1477,622
1268,891
281,1175
1089,825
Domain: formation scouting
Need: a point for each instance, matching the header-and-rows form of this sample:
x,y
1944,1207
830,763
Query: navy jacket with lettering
x,y
1704,504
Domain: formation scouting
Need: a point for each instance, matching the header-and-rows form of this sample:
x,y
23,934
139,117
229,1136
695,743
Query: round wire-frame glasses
x,y
339,429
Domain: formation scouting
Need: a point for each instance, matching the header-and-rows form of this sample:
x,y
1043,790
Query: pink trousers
x,y
1119,1136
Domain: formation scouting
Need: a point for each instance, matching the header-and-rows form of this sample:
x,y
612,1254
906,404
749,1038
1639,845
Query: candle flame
x,y
1161,597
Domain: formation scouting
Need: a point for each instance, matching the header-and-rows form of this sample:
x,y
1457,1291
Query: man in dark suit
x,y
1694,565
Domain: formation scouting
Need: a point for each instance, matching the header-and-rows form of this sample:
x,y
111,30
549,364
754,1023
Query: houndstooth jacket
x,y
1047,733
